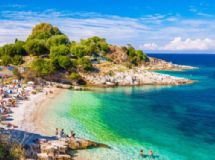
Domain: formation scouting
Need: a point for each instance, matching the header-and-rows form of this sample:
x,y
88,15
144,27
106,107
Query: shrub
x,y
64,62
44,31
74,76
36,47
16,60
57,40
43,67
78,50
6,60
57,51
85,64
17,73
13,49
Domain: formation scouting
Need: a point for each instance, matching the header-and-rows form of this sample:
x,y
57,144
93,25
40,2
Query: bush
x,y
85,64
13,49
17,73
6,60
11,151
78,50
36,47
43,67
64,62
57,51
136,57
74,76
57,40
44,31
17,60
95,45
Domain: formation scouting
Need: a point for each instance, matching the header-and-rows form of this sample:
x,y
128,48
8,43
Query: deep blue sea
x,y
177,123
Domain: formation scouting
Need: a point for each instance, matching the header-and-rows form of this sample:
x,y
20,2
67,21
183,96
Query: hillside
x,y
49,54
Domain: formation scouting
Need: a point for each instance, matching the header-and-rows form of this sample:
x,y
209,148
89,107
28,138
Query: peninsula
x,y
48,54
34,69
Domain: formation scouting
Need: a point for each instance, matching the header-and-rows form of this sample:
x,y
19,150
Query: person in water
x,y
141,153
151,154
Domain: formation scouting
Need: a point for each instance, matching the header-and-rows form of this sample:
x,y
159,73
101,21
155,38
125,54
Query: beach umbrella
x,y
30,83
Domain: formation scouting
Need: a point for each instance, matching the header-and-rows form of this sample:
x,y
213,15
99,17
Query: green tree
x,y
36,47
17,73
6,60
104,46
57,40
131,52
64,62
74,76
136,57
19,48
79,50
60,50
44,31
17,59
95,45
43,67
85,63
13,49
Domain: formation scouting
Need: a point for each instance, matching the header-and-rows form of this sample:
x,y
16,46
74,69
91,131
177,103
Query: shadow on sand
x,y
24,138
36,144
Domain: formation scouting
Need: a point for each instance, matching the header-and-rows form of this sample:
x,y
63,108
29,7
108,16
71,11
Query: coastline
x,y
43,107
134,77
27,115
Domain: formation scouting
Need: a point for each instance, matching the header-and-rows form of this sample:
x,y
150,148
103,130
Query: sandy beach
x,y
27,115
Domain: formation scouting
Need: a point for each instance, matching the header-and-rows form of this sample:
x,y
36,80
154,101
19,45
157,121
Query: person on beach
x,y
62,133
72,134
56,132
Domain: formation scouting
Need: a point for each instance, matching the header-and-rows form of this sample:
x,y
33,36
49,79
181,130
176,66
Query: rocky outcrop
x,y
159,64
117,54
85,144
42,148
133,77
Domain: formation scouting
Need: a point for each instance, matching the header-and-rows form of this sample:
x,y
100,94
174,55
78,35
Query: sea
x,y
175,122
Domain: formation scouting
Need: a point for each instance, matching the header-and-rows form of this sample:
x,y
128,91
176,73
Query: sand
x,y
27,115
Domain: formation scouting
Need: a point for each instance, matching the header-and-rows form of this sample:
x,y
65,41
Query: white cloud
x,y
190,44
76,26
149,46
198,11
178,44
158,29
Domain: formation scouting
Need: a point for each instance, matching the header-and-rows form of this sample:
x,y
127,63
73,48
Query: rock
x,y
64,86
84,144
110,84
80,88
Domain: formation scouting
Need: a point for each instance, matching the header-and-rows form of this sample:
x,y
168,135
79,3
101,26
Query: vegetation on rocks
x,y
136,57
53,52
10,150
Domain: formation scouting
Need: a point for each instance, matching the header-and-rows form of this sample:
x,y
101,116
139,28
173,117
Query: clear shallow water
x,y
177,123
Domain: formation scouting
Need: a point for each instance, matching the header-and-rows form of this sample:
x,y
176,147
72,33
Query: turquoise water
x,y
177,123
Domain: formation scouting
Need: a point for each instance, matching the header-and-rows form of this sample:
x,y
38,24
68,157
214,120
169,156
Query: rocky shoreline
x,y
159,64
40,147
118,75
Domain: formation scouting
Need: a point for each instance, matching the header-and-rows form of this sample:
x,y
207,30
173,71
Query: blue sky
x,y
151,25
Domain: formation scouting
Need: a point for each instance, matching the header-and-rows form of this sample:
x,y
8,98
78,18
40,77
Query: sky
x,y
159,26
